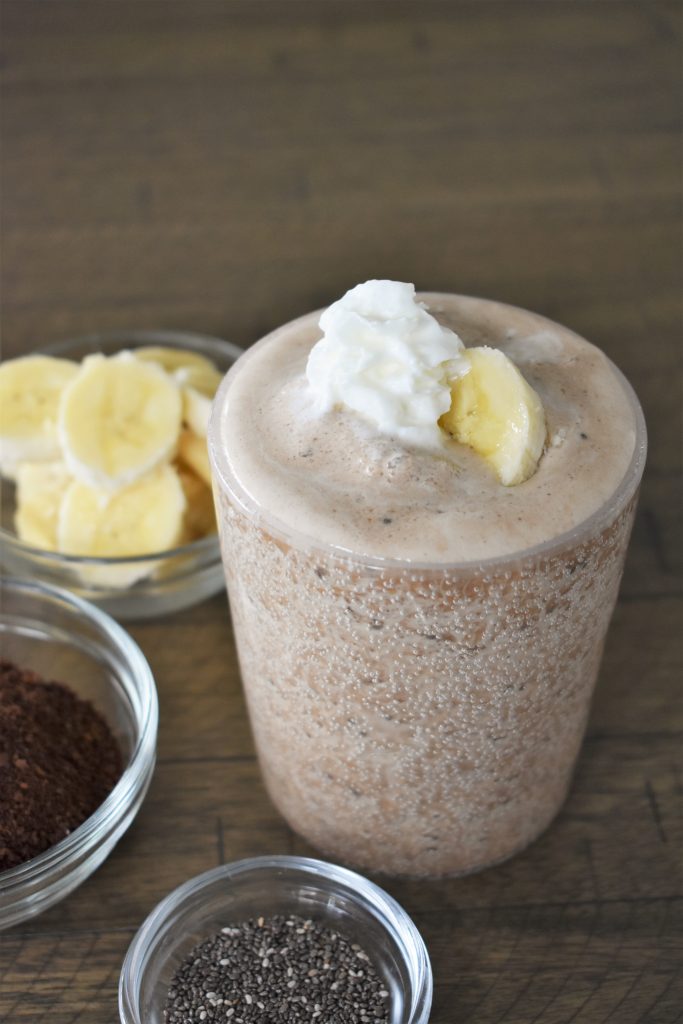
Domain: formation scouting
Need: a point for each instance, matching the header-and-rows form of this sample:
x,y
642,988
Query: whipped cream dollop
x,y
385,357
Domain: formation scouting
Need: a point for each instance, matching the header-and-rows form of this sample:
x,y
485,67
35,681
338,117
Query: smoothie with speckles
x,y
419,642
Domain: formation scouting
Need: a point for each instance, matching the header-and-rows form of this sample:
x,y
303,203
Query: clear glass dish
x,y
177,578
63,638
334,896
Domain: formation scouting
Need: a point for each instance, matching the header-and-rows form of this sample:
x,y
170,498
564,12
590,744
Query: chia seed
x,y
310,973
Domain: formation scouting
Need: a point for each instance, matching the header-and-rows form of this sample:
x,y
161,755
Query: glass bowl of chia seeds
x,y
59,643
277,939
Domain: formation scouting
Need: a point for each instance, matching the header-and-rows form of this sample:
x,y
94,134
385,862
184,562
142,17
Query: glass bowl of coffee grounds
x,y
51,634
146,585
262,937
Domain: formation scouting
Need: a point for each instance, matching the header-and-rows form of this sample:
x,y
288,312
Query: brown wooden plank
x,y
639,688
226,166
654,565
599,947
487,926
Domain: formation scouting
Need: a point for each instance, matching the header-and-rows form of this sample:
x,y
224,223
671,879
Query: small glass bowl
x,y
333,896
175,579
63,638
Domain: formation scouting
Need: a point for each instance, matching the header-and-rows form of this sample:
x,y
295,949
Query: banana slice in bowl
x,y
30,392
198,386
142,519
170,358
41,486
193,453
118,419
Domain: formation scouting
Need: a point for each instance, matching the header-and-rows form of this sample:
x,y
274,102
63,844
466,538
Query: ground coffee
x,y
277,970
58,762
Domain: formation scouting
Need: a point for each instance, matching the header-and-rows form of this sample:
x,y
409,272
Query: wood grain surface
x,y
225,166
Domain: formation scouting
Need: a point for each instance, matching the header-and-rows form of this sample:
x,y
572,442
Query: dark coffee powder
x,y
58,762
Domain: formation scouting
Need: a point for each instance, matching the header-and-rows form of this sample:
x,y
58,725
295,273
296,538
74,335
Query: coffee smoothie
x,y
424,505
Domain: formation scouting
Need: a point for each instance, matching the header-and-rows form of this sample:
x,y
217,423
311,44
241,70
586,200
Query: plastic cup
x,y
418,719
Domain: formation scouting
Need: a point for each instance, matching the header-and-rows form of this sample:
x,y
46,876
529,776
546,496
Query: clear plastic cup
x,y
413,718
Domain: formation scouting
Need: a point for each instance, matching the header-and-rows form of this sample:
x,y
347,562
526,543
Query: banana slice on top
x,y
118,419
498,414
143,519
40,489
172,359
30,393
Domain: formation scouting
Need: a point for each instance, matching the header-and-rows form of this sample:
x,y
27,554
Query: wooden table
x,y
225,166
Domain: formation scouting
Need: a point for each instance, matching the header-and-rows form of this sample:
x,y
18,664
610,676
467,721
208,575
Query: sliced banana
x,y
193,452
200,517
199,385
201,378
118,419
196,411
142,519
498,414
40,489
172,359
30,393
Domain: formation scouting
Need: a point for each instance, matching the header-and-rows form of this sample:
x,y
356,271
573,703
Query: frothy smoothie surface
x,y
333,476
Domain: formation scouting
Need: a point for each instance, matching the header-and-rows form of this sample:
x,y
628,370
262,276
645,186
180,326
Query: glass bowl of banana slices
x,y
106,486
